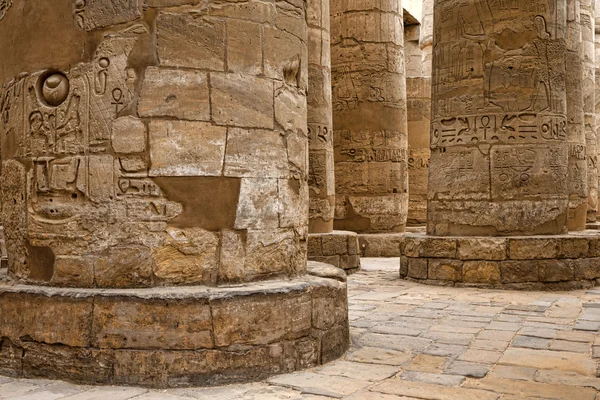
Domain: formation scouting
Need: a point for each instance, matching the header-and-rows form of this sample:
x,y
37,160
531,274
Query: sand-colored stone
x,y
494,140
369,117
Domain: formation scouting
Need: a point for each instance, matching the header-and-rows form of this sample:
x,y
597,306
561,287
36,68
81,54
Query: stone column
x,y
321,178
418,98
593,159
578,195
369,116
499,162
151,148
589,103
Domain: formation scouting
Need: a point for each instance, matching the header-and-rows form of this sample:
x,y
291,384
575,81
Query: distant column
x,y
321,178
369,117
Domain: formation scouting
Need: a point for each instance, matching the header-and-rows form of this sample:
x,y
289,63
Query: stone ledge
x,y
562,262
338,248
167,337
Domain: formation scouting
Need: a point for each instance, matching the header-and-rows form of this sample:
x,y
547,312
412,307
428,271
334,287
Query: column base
x,y
562,262
385,244
338,248
172,336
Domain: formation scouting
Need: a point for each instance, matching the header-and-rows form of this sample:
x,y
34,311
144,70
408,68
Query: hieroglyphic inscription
x,y
365,146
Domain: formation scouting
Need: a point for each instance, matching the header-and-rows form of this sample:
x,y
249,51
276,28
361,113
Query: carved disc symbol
x,y
4,6
55,89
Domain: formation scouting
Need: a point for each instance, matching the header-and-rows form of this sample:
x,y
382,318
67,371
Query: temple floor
x,y
411,341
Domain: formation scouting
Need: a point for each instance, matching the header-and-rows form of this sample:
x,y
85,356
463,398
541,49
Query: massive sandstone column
x,y
321,178
576,137
369,116
589,103
149,148
498,136
418,98
593,158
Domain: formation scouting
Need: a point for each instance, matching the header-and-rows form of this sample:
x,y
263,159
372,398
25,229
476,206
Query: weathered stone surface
x,y
51,320
186,41
242,100
555,271
121,323
244,47
528,249
369,118
417,268
478,146
175,93
261,320
128,135
256,153
124,266
181,148
104,13
491,249
445,270
481,272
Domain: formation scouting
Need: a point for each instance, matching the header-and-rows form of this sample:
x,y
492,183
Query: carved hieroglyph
x,y
589,104
369,115
176,153
499,163
576,137
321,180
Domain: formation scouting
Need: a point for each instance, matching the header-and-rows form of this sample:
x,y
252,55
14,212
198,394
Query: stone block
x,y
403,266
11,358
232,264
293,203
242,100
258,206
586,269
128,135
170,3
184,40
290,108
334,245
51,320
481,248
481,272
417,268
274,252
195,368
438,247
533,249
286,57
332,260
73,271
244,47
349,262
188,256
261,319
519,271
353,246
254,10
77,364
410,246
184,148
315,245
330,306
256,153
594,247
573,247
124,267
104,13
334,343
445,270
175,93
132,323
556,271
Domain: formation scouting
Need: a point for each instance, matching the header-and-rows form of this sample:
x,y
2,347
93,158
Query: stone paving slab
x,y
414,342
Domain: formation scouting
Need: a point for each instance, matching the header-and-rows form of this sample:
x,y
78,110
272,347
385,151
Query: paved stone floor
x,y
418,342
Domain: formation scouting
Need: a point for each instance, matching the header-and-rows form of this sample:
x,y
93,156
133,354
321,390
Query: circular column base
x,y
172,337
562,262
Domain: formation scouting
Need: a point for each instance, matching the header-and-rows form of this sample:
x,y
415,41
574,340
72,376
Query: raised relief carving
x,y
4,6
